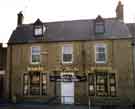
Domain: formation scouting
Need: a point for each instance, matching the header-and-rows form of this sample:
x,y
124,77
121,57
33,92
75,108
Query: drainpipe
x,y
10,74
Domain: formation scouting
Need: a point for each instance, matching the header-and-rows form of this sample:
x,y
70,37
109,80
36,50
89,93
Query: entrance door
x,y
67,89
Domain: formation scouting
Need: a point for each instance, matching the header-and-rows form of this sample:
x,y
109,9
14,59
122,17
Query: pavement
x,y
5,104
36,106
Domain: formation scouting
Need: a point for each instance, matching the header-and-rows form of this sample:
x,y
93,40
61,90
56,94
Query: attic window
x,y
99,26
39,28
38,31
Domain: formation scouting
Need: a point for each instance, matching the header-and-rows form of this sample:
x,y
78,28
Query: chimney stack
x,y
119,11
19,19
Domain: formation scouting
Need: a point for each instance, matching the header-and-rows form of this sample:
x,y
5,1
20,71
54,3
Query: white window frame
x,y
67,62
32,54
105,47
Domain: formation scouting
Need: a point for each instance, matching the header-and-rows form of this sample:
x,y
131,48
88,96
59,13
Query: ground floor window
x,y
102,84
34,83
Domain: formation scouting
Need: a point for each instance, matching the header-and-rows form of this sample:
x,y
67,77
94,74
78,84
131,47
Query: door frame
x,y
62,82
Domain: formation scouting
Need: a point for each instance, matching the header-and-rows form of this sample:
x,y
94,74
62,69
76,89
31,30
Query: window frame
x,y
104,84
34,83
35,54
99,25
106,92
43,84
36,31
105,52
26,83
67,62
29,85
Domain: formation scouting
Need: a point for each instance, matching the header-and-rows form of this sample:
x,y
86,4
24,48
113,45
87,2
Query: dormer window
x,y
99,26
38,31
39,28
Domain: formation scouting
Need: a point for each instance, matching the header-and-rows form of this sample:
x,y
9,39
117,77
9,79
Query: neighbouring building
x,y
3,56
72,62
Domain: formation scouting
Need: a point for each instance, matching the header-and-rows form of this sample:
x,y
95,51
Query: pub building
x,y
72,62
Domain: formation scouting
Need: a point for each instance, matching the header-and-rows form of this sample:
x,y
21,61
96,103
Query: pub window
x,y
35,55
91,84
67,53
26,84
100,53
44,84
102,84
112,84
34,84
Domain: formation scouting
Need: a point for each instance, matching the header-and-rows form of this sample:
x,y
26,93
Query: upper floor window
x,y
99,26
67,53
100,53
35,55
39,28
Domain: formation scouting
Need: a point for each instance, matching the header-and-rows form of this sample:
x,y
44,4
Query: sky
x,y
58,10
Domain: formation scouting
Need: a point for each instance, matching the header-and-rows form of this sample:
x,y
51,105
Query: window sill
x,y
101,62
67,62
37,63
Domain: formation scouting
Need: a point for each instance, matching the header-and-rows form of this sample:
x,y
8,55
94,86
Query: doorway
x,y
67,88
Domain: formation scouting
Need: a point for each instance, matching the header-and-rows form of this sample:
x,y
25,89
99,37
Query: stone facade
x,y
119,61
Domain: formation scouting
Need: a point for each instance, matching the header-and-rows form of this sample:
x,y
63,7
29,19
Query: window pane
x,y
35,54
38,30
25,90
101,83
99,28
35,83
35,50
91,84
101,49
100,53
112,82
100,57
44,84
25,84
67,57
67,53
68,49
35,58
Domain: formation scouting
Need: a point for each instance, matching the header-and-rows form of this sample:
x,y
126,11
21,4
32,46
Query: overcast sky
x,y
57,10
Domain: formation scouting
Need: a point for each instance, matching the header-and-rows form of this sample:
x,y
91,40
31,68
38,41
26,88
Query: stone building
x,y
72,62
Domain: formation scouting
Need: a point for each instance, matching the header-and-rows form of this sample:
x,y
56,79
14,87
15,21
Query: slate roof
x,y
70,31
131,27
